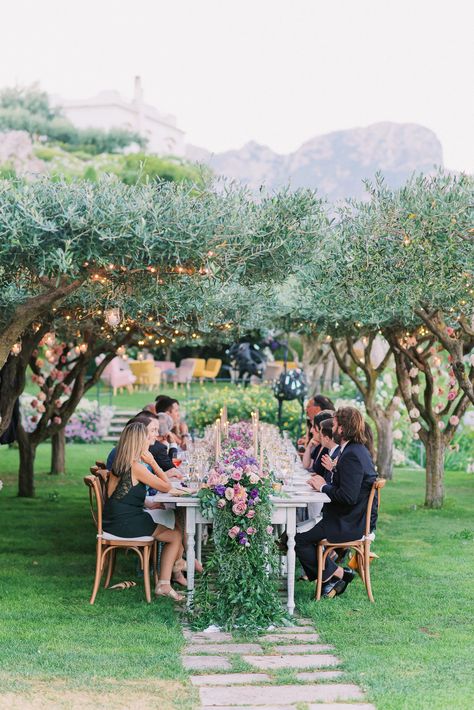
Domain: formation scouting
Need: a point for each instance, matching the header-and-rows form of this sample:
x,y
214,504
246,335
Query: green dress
x,y
123,513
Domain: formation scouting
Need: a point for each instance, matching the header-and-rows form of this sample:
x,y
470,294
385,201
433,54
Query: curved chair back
x,y
95,500
376,489
199,367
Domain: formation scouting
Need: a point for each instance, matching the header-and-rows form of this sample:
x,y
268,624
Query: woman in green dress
x,y
124,515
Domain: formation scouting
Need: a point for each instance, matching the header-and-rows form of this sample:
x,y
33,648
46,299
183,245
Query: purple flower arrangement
x,y
237,487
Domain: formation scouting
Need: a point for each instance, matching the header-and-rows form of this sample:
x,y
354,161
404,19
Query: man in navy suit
x,y
344,517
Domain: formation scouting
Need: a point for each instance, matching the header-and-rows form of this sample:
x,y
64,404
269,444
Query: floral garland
x,y
243,566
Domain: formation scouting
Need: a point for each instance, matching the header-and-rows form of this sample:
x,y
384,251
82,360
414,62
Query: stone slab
x,y
320,660
274,638
316,676
303,648
279,694
294,630
198,663
212,637
319,706
230,678
224,648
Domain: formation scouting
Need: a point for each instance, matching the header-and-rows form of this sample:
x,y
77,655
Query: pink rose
x,y
450,331
56,420
251,531
57,403
454,420
451,395
41,408
40,380
269,530
39,362
34,378
236,475
250,514
253,478
41,396
63,359
233,532
221,503
67,390
229,493
34,403
239,508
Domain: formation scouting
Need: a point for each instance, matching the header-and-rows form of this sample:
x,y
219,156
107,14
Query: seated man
x,y
344,517
179,434
314,406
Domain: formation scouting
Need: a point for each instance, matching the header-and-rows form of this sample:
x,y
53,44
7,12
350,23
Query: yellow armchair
x,y
290,365
199,368
213,366
146,373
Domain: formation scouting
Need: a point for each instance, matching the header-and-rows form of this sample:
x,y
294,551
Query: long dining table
x,y
297,494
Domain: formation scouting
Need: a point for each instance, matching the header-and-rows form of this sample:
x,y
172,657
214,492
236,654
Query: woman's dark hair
x,y
352,423
326,427
163,403
141,418
324,402
319,418
369,440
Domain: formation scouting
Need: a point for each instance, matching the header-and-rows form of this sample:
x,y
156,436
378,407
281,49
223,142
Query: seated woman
x,y
123,513
344,517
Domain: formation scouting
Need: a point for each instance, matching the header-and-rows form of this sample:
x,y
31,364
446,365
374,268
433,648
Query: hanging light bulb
x,y
113,317
83,347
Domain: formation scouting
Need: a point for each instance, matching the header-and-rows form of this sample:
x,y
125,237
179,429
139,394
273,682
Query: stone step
x,y
112,439
320,660
200,663
224,648
203,637
310,706
303,648
274,638
316,676
279,694
293,630
230,678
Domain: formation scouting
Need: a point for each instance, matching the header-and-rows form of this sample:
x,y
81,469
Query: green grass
x,y
413,648
48,629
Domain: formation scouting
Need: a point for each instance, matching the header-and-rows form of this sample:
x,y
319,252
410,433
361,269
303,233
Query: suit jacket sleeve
x,y
351,474
162,458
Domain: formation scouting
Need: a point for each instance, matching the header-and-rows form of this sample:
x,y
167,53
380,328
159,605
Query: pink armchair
x,y
117,375
184,373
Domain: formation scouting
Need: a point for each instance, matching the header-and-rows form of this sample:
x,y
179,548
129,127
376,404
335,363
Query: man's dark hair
x,y
326,427
323,402
352,423
163,403
321,416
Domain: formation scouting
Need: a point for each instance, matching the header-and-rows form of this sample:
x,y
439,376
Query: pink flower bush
x,y
251,531
269,529
250,514
233,532
454,420
451,395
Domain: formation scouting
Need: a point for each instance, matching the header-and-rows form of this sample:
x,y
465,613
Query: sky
x,y
278,72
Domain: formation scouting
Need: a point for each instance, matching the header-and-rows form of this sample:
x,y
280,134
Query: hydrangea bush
x,y
244,562
88,425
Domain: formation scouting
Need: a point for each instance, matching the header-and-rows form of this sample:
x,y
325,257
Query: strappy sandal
x,y
172,594
123,585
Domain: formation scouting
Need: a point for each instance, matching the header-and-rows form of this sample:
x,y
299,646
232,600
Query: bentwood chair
x,y
361,548
108,545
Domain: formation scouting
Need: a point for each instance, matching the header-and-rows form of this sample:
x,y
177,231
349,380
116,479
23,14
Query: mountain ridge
x,y
336,163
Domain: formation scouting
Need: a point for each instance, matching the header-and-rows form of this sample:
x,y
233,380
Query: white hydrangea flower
x,y
415,427
414,413
413,372
397,416
415,389
397,401
397,434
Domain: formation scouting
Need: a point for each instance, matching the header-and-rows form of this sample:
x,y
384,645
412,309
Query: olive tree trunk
x,y
384,427
27,449
58,452
435,450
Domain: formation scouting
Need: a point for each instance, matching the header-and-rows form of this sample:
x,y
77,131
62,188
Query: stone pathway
x,y
285,669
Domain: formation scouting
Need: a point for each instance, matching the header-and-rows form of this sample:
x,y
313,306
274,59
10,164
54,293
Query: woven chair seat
x,y
109,536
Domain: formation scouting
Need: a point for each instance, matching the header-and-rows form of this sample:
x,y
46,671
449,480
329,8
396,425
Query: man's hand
x,y
317,482
328,462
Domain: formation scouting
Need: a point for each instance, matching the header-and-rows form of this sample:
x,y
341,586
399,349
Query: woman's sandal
x,y
171,593
179,578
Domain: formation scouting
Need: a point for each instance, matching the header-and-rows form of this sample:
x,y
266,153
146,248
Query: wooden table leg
x,y
291,558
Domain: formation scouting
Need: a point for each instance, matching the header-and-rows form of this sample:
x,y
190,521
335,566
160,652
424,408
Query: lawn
x,y
412,649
